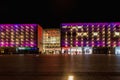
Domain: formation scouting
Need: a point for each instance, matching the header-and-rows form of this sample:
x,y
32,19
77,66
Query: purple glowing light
x,y
80,24
18,25
5,28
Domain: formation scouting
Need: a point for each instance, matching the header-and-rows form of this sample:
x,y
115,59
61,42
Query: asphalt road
x,y
60,67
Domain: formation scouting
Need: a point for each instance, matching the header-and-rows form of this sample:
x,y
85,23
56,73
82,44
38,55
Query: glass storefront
x,y
77,50
52,51
117,50
87,50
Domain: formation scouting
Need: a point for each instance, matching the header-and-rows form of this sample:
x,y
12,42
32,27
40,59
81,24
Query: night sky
x,y
54,12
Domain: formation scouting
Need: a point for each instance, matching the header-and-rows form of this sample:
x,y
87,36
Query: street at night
x,y
60,67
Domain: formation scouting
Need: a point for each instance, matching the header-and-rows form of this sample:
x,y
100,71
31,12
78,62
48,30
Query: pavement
x,y
60,67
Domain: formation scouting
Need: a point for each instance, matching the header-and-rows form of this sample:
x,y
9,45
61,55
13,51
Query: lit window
x,y
21,26
17,39
6,39
27,40
27,33
27,36
31,36
12,42
21,39
66,42
27,27
117,34
2,36
98,39
22,30
12,30
31,26
12,39
95,33
17,42
31,33
22,33
32,42
84,34
78,34
87,42
92,42
21,36
64,26
2,33
73,27
12,36
2,42
7,33
31,29
79,26
114,45
108,42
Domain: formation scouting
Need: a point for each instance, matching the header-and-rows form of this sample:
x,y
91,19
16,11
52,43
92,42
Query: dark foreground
x,y
60,67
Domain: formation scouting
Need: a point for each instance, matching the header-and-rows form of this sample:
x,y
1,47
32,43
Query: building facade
x,y
90,38
18,38
51,41
40,39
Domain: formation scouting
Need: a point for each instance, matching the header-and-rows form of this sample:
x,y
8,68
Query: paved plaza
x,y
60,67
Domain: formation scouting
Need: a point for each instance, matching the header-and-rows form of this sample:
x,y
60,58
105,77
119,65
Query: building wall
x,y
51,40
40,38
95,35
19,36
113,35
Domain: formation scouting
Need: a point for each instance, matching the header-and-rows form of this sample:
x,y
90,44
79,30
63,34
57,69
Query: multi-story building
x,y
51,41
88,38
18,38
72,38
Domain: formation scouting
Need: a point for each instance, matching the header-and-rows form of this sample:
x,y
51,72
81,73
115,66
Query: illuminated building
x,y
18,38
51,41
87,38
40,38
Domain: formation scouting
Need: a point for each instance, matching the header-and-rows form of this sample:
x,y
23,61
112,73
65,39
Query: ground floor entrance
x,y
77,50
18,50
90,50
52,51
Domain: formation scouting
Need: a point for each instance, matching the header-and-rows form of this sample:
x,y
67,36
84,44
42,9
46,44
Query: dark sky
x,y
54,12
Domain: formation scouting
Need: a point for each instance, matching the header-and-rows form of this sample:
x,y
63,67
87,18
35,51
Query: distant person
x,y
87,51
